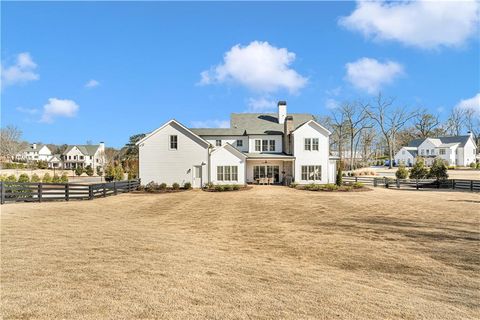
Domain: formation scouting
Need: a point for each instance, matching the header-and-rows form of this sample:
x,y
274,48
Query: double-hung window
x,y
315,144
311,173
272,145
218,143
258,145
264,145
308,144
442,151
239,143
220,173
173,142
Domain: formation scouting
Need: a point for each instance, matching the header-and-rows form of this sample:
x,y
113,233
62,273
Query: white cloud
x,y
472,103
21,72
214,123
258,105
370,74
92,84
423,23
30,111
258,66
58,108
331,103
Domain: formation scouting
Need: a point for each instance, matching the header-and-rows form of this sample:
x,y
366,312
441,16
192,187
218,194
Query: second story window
x,y
428,152
239,143
308,144
81,157
442,151
258,145
315,144
271,145
264,145
173,142
218,143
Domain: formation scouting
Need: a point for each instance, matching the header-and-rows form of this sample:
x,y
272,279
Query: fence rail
x,y
454,184
38,192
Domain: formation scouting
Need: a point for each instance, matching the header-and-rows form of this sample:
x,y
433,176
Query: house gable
x,y
177,125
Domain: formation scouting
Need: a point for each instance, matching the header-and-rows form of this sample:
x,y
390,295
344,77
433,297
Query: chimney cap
x,y
282,102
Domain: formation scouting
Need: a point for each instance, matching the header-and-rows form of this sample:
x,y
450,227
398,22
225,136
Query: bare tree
x,y
456,121
339,131
10,141
367,139
472,121
355,118
425,124
390,121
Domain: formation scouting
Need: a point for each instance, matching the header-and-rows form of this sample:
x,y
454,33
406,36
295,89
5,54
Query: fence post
x,y
67,192
2,193
386,182
90,192
374,182
416,183
114,187
471,185
104,190
398,183
453,184
40,190
356,179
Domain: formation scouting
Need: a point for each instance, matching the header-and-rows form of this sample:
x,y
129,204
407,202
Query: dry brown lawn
x,y
265,253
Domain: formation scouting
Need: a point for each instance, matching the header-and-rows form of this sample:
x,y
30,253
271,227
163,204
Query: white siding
x,y
469,152
404,157
223,157
302,157
278,142
160,164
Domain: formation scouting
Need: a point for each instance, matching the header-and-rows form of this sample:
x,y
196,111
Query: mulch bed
x,y
213,189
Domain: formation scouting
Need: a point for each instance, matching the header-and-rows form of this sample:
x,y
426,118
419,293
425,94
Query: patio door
x,y
266,171
197,177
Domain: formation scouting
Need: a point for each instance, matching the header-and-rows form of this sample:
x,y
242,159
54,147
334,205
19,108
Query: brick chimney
x,y
282,111
287,135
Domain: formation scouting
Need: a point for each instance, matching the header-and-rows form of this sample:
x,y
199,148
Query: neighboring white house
x,y
278,148
456,150
34,152
82,156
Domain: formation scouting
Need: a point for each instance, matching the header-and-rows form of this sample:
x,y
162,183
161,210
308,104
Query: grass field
x,y
268,253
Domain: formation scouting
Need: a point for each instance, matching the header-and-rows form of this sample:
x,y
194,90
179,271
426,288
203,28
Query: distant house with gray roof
x,y
34,152
83,155
455,150
271,148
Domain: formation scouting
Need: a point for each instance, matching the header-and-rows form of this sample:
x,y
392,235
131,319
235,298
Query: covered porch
x,y
264,168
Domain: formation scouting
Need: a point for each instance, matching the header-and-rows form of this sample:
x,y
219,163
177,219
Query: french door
x,y
265,171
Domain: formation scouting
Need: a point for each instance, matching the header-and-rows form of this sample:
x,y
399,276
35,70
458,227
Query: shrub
x,y
339,179
35,178
402,172
89,170
478,165
293,185
99,171
64,178
473,165
11,178
23,178
151,187
418,170
438,170
47,178
175,186
78,171
452,167
56,178
236,187
227,187
42,164
209,185
357,185
118,173
330,187
109,173
312,187
162,186
131,175
187,185
218,187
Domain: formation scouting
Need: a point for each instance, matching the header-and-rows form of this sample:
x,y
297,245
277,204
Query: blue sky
x,y
102,71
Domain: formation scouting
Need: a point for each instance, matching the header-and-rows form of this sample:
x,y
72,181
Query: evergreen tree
x,y
438,170
418,170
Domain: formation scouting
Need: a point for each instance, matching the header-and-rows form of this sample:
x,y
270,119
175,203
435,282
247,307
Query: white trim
x,y
168,123
316,123
231,149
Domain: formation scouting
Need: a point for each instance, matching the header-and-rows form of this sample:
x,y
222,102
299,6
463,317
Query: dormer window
x,y
239,143
218,143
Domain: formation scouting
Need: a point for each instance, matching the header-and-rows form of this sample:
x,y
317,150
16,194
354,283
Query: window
x,y
311,172
258,145
81,157
428,152
422,152
220,173
308,144
173,142
432,152
315,144
239,143
272,145
227,173
442,151
264,145
91,157
218,143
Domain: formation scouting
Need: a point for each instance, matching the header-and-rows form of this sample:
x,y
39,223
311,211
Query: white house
x,y
277,148
34,152
82,156
456,150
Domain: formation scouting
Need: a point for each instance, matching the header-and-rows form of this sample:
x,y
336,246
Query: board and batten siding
x,y
158,163
311,158
223,157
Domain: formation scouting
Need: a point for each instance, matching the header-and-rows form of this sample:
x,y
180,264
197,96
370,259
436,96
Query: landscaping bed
x,y
153,187
225,187
353,187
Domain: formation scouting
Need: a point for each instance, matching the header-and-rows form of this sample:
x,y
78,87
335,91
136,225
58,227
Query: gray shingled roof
x,y
265,123
445,140
86,149
30,148
217,131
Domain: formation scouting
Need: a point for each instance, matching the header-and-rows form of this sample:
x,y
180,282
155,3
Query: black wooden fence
x,y
454,184
38,192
